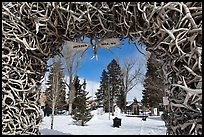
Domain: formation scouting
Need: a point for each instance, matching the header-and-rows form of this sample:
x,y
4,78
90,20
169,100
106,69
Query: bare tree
x,y
56,90
132,76
73,58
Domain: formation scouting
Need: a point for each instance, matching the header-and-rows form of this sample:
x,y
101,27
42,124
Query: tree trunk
x,y
125,99
55,94
52,116
53,101
70,108
71,99
53,109
158,110
112,109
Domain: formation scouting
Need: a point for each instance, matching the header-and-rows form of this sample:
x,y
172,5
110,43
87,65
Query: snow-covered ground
x,y
102,125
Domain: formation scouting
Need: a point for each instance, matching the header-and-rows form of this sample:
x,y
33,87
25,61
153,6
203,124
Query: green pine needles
x,y
82,110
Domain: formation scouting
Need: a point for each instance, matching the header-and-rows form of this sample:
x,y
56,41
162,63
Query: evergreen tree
x,y
82,110
76,87
135,100
121,98
102,92
153,83
145,97
115,84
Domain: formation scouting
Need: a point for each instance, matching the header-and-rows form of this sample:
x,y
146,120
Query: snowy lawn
x,y
101,125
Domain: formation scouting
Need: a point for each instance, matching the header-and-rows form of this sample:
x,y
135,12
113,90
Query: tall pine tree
x,y
153,83
82,112
75,82
102,92
115,85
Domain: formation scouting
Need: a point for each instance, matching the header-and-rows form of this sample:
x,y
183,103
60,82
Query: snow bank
x,y
102,125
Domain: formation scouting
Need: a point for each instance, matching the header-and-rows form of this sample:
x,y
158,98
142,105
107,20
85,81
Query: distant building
x,y
92,103
133,108
42,99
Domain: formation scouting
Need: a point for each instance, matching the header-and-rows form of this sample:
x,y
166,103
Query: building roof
x,y
129,103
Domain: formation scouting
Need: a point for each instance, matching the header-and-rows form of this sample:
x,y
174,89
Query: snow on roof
x,y
129,103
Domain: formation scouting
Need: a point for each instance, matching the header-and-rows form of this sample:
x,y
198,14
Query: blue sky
x,y
91,70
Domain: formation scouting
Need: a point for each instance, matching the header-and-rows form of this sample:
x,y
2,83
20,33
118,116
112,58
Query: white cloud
x,y
91,86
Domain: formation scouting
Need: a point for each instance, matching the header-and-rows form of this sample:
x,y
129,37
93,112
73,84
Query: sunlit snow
x,y
100,124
